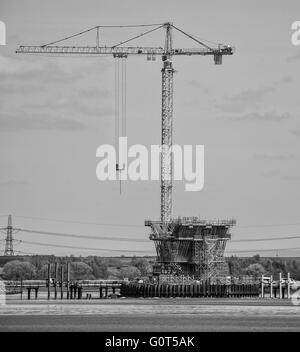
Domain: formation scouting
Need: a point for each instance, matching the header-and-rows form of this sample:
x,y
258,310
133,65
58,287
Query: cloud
x,y
271,173
279,157
42,70
8,87
285,79
293,58
92,92
39,87
248,98
267,116
295,132
13,182
71,105
292,178
252,97
21,121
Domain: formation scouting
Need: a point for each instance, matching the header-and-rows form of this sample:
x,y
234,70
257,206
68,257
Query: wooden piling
x,y
288,286
280,285
262,287
55,280
61,282
68,280
208,288
74,292
271,286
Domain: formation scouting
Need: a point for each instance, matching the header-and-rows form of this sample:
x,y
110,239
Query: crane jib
x,y
120,50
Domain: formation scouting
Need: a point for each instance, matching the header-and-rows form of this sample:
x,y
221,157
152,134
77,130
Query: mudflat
x,y
158,315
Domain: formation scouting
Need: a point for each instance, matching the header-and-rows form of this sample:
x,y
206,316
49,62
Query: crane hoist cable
x,y
120,112
124,93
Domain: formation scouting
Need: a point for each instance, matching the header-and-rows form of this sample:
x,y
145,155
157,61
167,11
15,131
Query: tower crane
x,y
166,53
162,230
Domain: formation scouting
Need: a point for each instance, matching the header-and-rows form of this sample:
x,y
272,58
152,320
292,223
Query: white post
x,y
271,286
280,285
262,286
288,287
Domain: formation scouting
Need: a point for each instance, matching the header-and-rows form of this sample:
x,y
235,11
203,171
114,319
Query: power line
x,y
267,239
84,248
269,225
134,225
264,250
147,251
29,253
77,222
130,239
108,238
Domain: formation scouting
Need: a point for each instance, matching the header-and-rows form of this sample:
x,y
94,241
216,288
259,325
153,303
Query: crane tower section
x,y
167,129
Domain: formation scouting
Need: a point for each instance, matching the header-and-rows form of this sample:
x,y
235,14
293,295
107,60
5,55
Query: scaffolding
x,y
190,247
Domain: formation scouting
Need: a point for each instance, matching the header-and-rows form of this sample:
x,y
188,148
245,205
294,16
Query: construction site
x,y
149,178
187,248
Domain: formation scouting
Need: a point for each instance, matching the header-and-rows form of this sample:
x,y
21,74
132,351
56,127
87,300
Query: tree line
x,y
257,266
93,267
82,268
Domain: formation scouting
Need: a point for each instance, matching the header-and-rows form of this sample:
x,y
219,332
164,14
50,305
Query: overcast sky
x,y
56,111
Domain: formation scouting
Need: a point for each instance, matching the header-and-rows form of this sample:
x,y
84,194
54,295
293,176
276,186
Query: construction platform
x,y
189,247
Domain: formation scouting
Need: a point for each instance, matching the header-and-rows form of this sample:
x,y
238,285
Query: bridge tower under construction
x,y
189,247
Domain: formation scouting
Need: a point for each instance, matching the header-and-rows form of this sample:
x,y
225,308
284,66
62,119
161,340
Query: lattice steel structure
x,y
190,247
167,141
9,248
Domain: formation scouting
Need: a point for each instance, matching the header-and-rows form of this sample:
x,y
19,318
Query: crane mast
x,y
167,130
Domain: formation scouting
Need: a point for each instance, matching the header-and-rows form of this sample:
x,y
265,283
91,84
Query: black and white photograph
x,y
149,169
